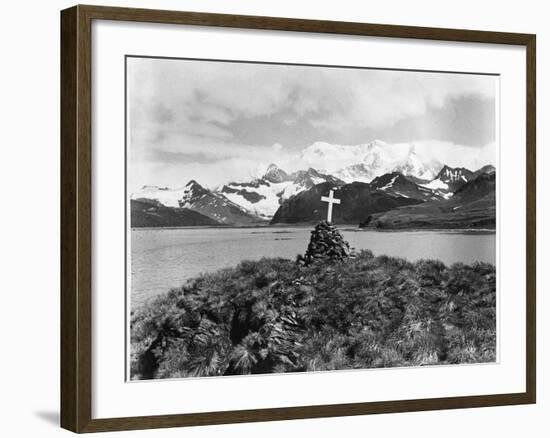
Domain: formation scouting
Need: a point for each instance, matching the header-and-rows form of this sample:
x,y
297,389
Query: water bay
x,y
165,258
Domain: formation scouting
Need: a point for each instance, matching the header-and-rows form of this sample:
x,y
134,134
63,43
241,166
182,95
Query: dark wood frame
x,y
76,237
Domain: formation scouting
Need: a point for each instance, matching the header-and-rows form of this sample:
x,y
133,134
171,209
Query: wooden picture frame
x,y
76,217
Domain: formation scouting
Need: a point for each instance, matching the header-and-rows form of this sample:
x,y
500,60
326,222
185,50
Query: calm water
x,y
165,258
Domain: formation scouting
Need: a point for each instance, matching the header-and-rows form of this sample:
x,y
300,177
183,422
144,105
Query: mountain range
x,y
471,206
216,208
264,195
378,186
365,162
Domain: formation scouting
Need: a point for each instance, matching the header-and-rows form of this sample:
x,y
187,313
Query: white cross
x,y
331,200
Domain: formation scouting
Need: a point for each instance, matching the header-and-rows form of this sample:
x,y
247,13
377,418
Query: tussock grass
x,y
274,315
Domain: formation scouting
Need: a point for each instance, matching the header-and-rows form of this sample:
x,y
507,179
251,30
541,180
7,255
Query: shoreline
x,y
346,227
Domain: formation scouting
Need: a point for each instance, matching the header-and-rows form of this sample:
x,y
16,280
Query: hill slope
x,y
215,206
358,201
197,198
472,206
400,185
147,213
274,316
263,196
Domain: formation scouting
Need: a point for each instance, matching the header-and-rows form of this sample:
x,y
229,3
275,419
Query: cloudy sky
x,y
220,121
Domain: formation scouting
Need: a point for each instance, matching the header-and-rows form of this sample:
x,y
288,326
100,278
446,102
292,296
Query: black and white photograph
x,y
286,218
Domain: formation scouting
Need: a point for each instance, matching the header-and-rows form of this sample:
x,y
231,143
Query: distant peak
x,y
454,175
194,186
488,168
446,169
275,174
272,167
320,145
388,176
193,190
377,143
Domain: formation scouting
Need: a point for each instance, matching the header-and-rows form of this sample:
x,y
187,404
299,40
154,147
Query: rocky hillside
x,y
358,201
264,195
449,179
214,205
371,179
472,206
199,199
397,184
147,213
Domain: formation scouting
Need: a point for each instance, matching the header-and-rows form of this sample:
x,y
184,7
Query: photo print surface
x,y
296,218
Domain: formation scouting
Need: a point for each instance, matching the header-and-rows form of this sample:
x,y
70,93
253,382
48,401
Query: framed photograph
x,y
270,218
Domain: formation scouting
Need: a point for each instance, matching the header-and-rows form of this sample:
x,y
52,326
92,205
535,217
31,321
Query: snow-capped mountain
x,y
451,175
166,196
367,161
274,174
149,213
479,187
449,180
397,184
414,165
488,170
471,206
263,196
394,201
389,170
356,172
195,197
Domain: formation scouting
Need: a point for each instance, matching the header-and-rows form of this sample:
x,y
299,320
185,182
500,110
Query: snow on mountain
x,y
399,185
436,184
367,161
454,175
263,196
260,197
390,183
415,165
357,202
333,157
275,174
195,197
488,169
376,163
355,172
448,180
164,195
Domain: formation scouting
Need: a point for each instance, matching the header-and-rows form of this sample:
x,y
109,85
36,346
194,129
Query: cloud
x,y
333,98
177,174
229,119
213,167
457,155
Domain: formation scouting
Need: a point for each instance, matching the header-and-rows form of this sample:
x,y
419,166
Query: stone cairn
x,y
326,244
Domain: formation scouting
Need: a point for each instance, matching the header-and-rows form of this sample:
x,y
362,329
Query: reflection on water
x,y
165,258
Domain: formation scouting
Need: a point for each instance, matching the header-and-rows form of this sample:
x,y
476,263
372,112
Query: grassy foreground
x,y
275,315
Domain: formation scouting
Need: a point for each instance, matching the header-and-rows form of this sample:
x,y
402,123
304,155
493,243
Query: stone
x,y
326,244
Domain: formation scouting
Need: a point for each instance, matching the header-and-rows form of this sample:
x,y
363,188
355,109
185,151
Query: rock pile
x,y
326,243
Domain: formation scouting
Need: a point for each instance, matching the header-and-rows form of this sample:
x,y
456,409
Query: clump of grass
x,y
274,315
